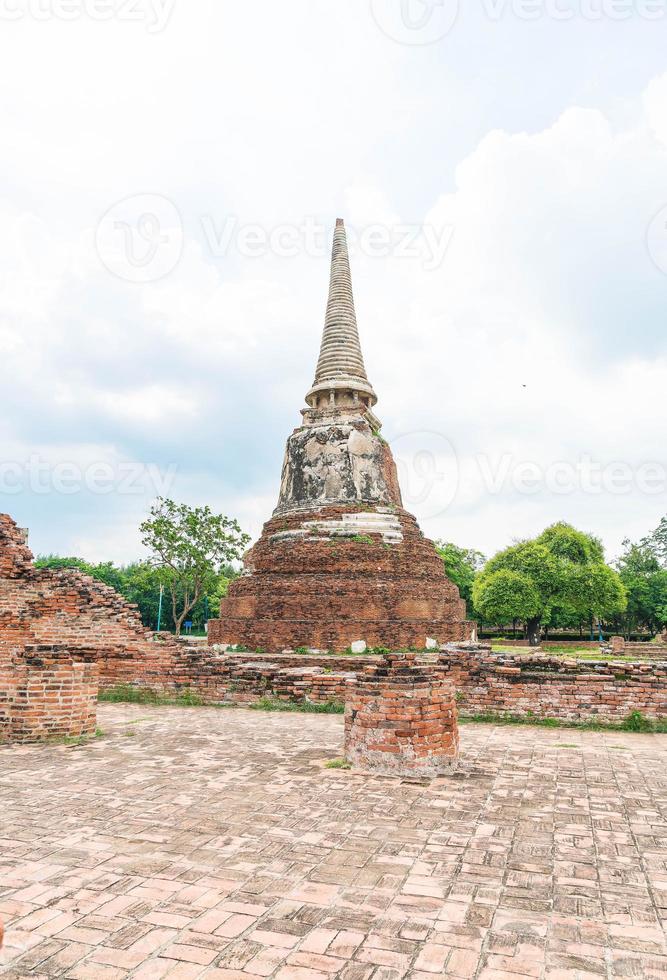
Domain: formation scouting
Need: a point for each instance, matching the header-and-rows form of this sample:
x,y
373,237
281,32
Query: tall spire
x,y
340,376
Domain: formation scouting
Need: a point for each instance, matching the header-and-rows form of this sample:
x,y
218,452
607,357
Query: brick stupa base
x,y
326,578
401,719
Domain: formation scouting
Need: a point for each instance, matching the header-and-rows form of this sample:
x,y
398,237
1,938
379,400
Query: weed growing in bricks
x,y
634,722
337,764
128,694
307,707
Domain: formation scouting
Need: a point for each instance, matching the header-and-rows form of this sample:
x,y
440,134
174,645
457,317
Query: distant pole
x,y
159,608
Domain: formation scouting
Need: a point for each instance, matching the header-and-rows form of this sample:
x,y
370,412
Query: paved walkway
x,y
211,843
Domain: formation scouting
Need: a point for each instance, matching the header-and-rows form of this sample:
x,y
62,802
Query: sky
x,y
170,174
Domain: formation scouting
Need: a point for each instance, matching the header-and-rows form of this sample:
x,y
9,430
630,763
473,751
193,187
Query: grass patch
x,y
634,722
305,707
76,739
337,764
576,653
128,694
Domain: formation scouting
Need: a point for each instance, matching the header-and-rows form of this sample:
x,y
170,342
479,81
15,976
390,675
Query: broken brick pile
x,y
400,718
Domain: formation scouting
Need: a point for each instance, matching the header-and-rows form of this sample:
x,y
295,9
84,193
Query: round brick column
x,y
400,718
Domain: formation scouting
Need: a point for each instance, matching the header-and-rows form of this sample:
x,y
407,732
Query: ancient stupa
x,y
340,561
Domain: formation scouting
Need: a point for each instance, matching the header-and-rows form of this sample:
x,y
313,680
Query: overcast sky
x,y
170,172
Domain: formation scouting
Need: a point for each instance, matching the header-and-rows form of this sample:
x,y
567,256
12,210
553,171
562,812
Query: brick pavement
x,y
212,843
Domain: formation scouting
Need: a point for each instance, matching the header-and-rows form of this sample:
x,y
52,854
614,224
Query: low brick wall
x,y
49,694
238,677
545,686
555,687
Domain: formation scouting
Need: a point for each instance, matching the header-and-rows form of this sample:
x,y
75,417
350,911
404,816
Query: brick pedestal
x,y
401,719
48,694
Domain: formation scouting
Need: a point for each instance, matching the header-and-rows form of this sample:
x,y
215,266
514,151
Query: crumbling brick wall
x,y
553,687
88,627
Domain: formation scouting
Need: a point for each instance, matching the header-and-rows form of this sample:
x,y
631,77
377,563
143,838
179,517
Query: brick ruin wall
x,y
485,683
59,630
554,687
82,621
48,694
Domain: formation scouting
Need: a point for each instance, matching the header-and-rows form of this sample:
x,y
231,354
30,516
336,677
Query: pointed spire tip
x,y
340,223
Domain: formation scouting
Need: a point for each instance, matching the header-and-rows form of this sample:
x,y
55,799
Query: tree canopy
x,y
461,566
642,569
562,569
189,545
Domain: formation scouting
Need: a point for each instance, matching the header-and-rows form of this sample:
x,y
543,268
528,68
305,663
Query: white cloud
x,y
545,282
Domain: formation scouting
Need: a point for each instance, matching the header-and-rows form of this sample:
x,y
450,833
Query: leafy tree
x,y
560,571
139,583
189,545
645,581
658,541
461,566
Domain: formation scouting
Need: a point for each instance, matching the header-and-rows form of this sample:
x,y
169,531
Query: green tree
x,y
139,583
658,541
461,566
189,546
645,581
562,570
